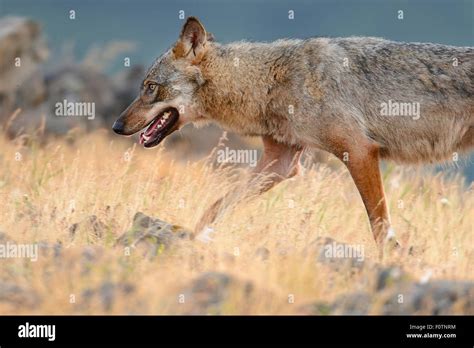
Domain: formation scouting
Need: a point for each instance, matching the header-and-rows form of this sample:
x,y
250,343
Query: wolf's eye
x,y
151,87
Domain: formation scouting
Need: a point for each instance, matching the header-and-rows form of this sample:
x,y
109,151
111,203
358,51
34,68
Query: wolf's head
x,y
167,98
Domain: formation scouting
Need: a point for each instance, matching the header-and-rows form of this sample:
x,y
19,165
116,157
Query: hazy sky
x,y
154,24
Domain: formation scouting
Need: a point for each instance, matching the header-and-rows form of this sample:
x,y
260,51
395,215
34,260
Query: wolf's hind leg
x,y
279,162
365,171
361,157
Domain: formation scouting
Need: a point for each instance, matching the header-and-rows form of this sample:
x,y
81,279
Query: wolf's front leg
x,y
279,162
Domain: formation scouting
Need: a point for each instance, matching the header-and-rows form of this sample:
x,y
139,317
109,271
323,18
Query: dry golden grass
x,y
60,183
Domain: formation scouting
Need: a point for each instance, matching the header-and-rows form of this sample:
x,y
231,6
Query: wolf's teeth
x,y
143,138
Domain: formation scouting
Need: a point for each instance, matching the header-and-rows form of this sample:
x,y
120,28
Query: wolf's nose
x,y
118,127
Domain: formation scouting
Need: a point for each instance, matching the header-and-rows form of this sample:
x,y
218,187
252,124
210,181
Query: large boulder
x,y
26,84
22,49
396,293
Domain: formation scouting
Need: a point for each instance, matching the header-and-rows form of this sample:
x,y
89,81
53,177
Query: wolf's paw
x,y
205,235
391,246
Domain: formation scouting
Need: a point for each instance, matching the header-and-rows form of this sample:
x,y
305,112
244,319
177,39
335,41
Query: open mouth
x,y
161,126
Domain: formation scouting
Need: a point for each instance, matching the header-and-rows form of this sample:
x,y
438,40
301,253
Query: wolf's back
x,y
360,76
421,68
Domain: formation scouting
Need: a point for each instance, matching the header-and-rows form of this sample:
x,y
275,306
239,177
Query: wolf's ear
x,y
192,41
210,36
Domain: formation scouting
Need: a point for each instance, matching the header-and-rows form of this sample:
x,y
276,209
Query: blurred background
x,y
101,54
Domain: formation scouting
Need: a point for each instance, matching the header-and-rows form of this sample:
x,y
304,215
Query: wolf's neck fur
x,y
240,78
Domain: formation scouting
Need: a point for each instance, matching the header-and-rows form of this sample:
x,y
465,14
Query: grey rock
x,y
434,298
208,292
338,256
47,249
403,297
106,293
20,38
18,296
389,276
37,91
153,235
357,303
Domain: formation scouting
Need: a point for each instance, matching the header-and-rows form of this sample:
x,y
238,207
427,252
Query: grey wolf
x,y
362,99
